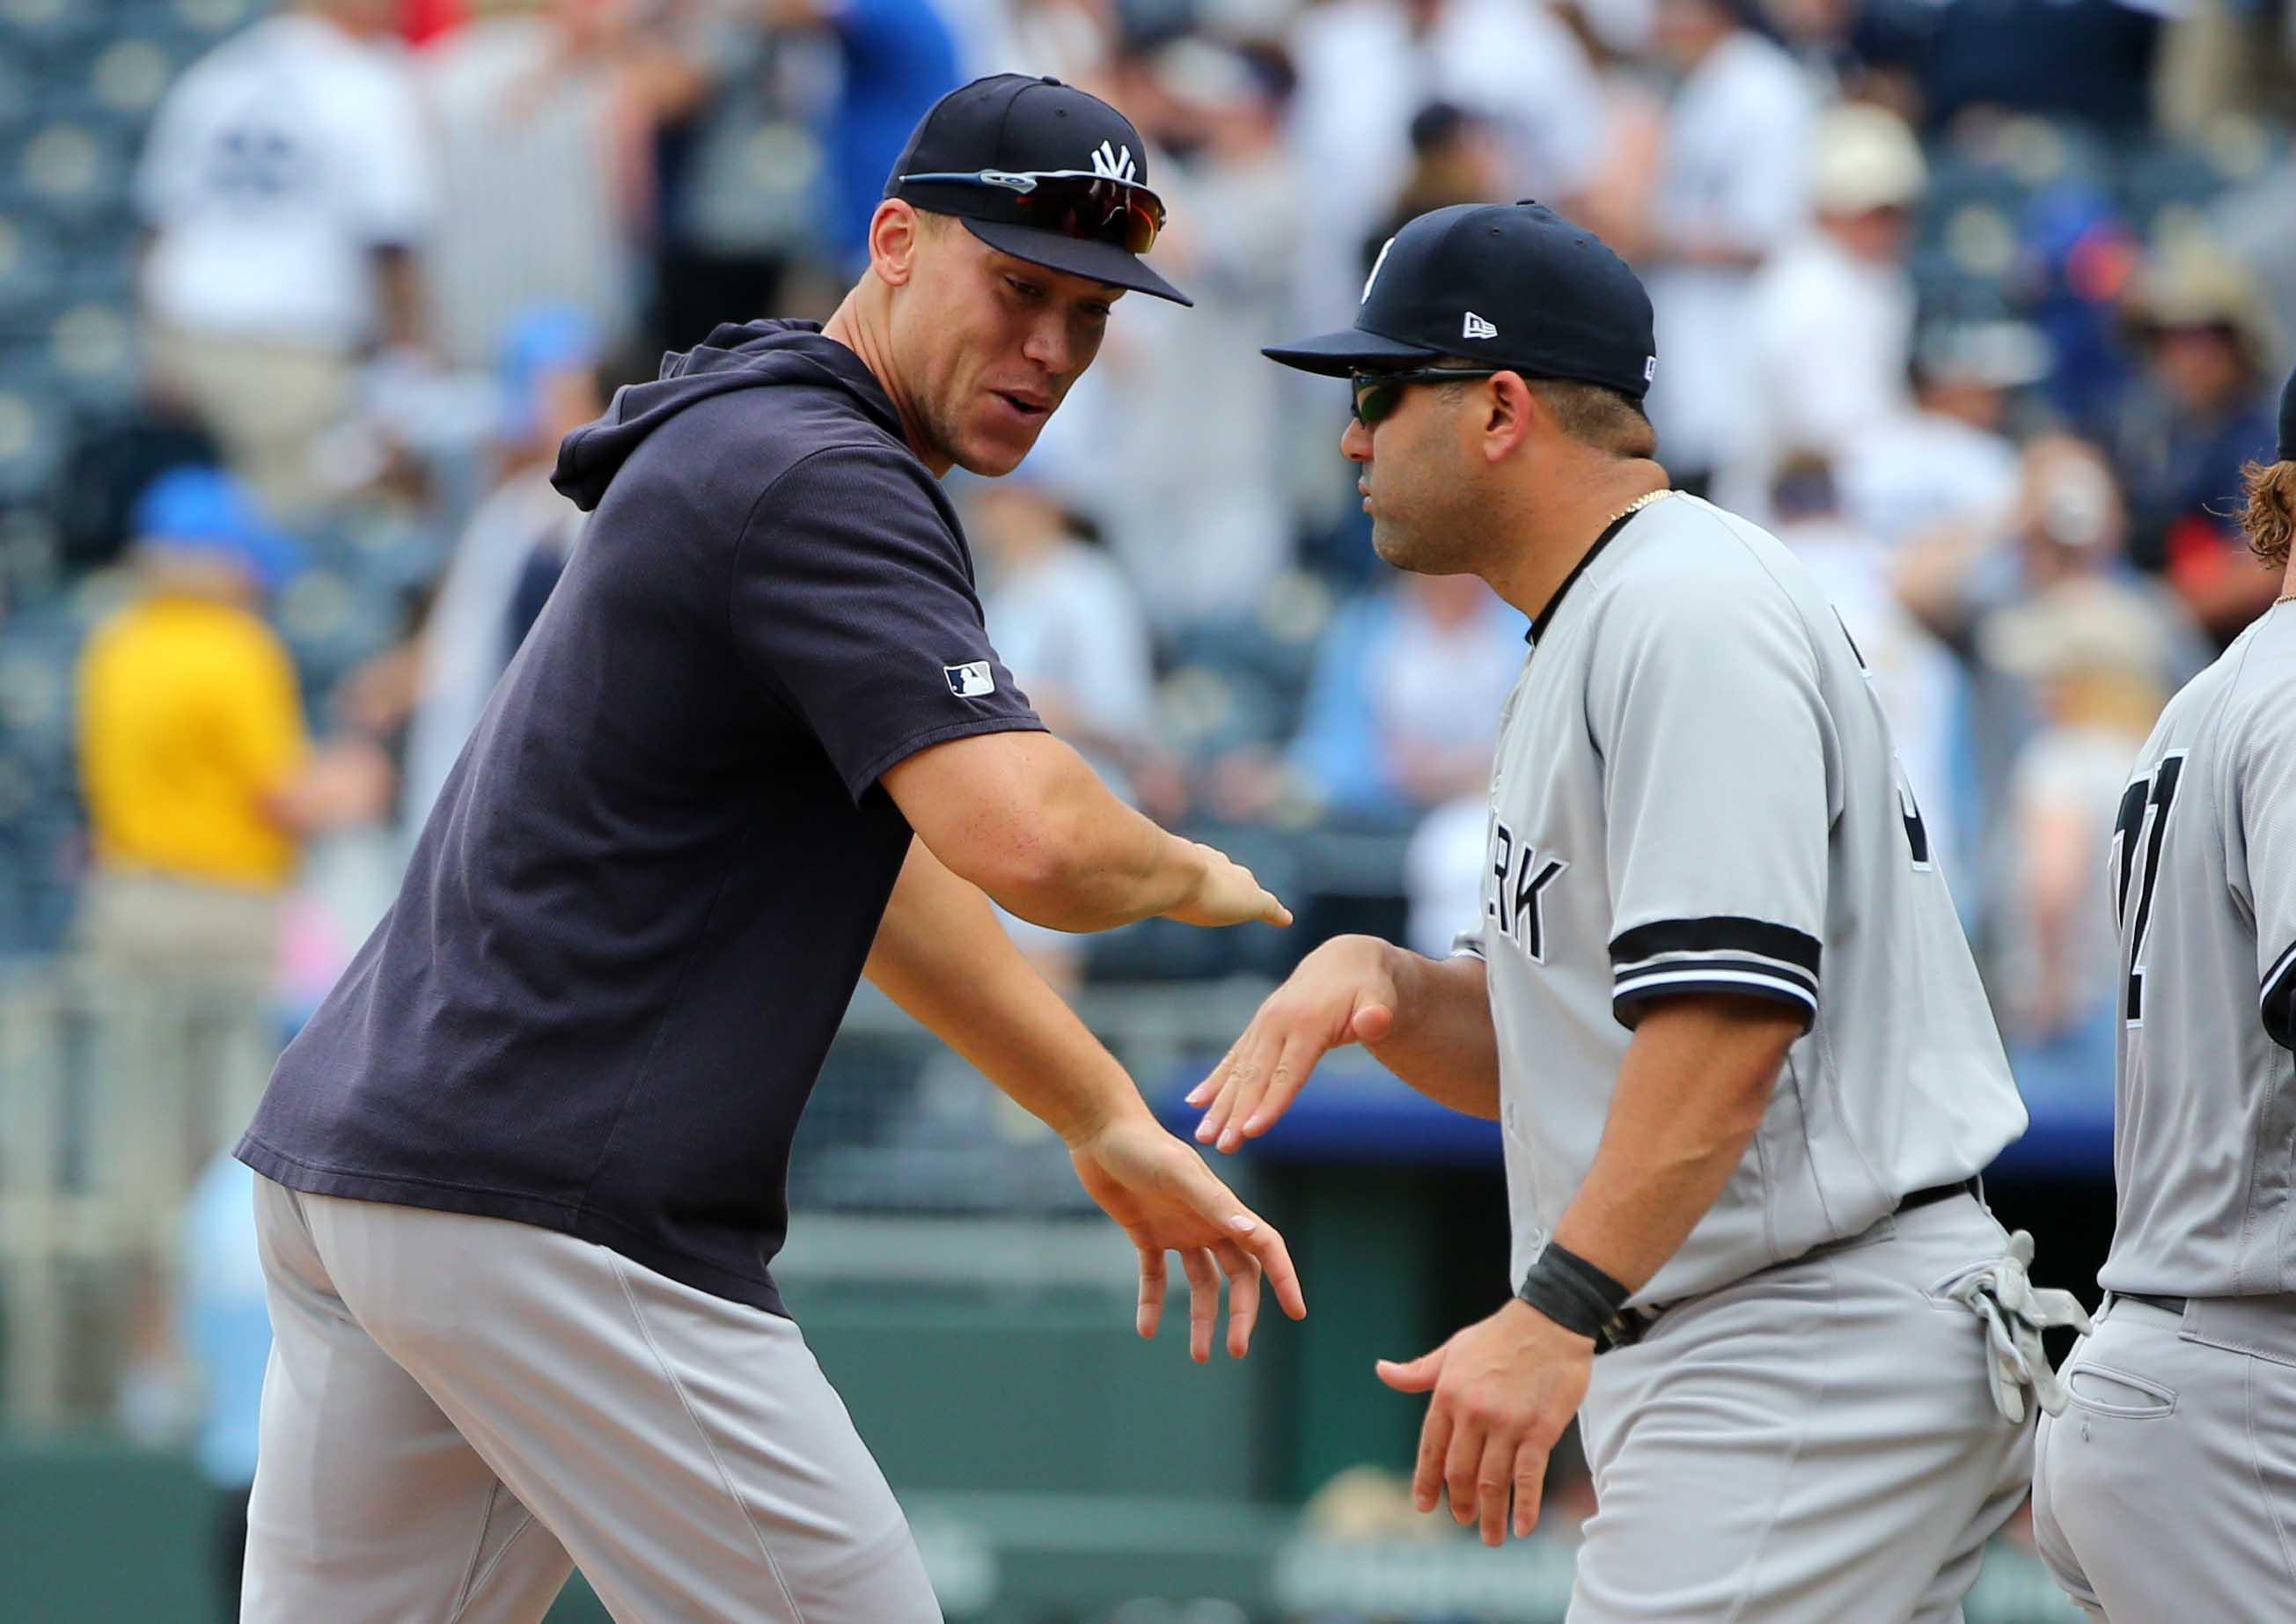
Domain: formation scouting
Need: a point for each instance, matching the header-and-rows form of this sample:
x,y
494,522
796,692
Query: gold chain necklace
x,y
1637,505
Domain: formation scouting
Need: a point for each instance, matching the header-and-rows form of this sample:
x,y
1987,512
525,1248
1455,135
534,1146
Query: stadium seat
x,y
29,441
34,275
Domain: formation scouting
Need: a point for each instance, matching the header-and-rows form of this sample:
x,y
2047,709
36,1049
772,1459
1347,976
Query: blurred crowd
x,y
1978,303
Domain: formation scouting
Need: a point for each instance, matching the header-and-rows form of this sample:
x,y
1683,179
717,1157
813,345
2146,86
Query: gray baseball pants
x,y
458,1410
2167,1490
1812,1444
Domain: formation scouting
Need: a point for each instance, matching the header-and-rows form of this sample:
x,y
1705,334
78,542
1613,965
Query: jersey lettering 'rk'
x,y
1519,873
1695,795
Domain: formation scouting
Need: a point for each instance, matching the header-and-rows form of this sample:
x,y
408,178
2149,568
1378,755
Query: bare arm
x,y
1023,816
398,278
941,954
1429,1021
942,957
1697,1079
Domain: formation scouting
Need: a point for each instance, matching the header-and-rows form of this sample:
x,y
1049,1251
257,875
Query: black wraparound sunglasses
x,y
1080,203
1377,394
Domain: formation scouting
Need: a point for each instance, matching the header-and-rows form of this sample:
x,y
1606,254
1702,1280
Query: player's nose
x,y
1355,441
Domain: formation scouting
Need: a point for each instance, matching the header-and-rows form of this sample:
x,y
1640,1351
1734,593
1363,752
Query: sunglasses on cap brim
x,y
1075,203
1379,393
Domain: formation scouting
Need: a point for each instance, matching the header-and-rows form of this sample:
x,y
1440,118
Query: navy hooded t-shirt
x,y
638,911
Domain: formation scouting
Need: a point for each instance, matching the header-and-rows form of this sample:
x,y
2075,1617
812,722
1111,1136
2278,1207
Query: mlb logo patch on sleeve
x,y
970,681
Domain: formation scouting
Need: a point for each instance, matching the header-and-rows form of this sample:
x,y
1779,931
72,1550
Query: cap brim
x,y
1101,261
1335,355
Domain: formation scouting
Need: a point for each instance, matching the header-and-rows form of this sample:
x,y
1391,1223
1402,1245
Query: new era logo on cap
x,y
972,680
1478,328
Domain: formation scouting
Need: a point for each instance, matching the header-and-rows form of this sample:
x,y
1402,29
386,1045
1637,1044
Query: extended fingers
x,y
1530,1484
1152,1290
1493,1480
1204,1301
1292,1065
1434,1444
1461,1464
1275,1261
1242,1271
1207,1091
1247,1070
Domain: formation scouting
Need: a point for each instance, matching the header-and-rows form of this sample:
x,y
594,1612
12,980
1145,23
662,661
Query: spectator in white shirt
x,y
1366,68
1830,320
537,111
1733,187
1944,460
286,186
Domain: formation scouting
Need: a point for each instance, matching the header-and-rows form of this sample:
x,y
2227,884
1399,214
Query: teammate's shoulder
x,y
2256,676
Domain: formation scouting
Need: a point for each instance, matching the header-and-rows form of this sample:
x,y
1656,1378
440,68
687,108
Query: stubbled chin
x,y
998,452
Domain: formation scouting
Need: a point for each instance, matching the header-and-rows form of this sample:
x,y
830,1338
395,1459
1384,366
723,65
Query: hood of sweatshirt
x,y
737,356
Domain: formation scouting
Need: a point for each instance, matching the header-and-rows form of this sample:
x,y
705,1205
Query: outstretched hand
x,y
1342,993
1162,1196
1505,1389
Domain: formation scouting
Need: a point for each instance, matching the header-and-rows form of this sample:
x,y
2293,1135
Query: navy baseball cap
x,y
2287,447
1514,284
1042,171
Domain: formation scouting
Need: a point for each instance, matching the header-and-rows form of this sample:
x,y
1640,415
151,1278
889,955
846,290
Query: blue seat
x,y
31,440
35,274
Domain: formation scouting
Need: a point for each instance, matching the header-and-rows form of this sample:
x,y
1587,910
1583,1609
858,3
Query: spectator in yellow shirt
x,y
190,727
194,766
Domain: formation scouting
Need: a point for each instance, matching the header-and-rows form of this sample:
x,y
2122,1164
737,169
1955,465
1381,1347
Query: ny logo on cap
x,y
1375,265
1478,328
1116,165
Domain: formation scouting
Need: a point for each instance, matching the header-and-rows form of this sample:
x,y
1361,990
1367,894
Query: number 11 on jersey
x,y
2137,831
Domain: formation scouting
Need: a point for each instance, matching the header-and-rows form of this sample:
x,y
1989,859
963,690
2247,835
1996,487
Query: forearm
x,y
399,280
1025,818
1442,1043
1107,864
1692,1092
942,955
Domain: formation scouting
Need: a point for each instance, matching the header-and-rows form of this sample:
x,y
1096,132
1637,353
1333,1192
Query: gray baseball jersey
x,y
2204,876
1695,792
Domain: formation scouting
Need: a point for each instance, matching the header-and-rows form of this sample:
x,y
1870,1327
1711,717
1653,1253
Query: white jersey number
x,y
2143,822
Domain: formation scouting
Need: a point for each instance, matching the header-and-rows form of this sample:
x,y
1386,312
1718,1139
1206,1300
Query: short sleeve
x,y
2264,797
1702,700
853,600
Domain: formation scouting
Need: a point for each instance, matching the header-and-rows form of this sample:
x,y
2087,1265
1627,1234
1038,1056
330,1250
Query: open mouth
x,y
1026,405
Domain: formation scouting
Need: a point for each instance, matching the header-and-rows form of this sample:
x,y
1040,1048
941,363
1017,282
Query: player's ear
x,y
1512,413
896,234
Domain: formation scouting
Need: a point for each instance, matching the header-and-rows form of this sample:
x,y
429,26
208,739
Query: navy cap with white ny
x,y
1512,285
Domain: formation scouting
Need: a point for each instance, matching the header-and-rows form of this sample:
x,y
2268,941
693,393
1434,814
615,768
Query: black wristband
x,y
1576,1296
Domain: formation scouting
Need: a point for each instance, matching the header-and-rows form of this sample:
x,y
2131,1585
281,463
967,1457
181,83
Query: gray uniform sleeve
x,y
1702,699
2261,846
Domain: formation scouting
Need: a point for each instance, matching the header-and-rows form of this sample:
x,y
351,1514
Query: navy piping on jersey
x,y
1669,957
2278,1001
1754,936
1544,618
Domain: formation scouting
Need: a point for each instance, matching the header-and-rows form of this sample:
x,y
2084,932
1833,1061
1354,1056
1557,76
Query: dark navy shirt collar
x,y
1544,618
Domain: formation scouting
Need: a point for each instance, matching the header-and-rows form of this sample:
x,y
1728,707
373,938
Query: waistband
x,y
1638,1320
2262,1326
